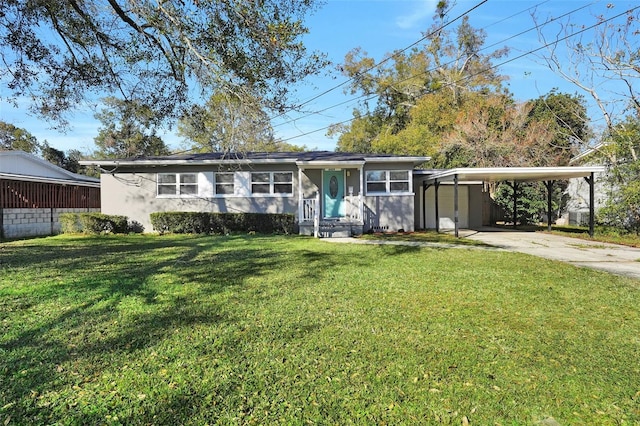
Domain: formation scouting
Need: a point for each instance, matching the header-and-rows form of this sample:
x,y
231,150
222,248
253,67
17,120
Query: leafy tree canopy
x,y
567,116
162,53
446,101
622,149
13,138
127,131
68,161
418,91
227,123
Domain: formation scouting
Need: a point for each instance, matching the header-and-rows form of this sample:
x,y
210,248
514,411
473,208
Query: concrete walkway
x,y
613,258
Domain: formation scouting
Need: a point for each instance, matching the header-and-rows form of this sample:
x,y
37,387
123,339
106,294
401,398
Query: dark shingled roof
x,y
290,156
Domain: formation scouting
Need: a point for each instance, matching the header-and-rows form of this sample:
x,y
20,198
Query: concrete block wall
x,y
21,223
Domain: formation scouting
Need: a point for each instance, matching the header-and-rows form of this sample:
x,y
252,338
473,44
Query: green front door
x,y
333,193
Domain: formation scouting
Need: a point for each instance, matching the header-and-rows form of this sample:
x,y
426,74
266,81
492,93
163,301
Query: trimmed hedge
x,y
97,223
222,223
70,223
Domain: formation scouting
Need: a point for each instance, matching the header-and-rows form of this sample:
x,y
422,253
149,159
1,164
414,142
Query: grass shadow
x,y
109,296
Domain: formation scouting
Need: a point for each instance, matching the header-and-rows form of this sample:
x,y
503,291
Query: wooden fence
x,y
33,195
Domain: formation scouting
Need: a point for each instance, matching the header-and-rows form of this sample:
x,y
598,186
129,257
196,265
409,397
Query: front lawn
x,y
292,330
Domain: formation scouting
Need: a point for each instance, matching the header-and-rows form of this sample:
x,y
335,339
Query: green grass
x,y
292,330
601,233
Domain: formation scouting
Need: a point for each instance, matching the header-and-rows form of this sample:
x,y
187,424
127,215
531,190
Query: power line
x,y
396,53
370,96
556,41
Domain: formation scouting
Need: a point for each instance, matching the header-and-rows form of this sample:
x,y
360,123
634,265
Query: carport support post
x,y
592,198
549,185
425,186
455,204
514,186
436,187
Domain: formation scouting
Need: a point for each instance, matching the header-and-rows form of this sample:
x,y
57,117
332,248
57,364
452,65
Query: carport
x,y
514,176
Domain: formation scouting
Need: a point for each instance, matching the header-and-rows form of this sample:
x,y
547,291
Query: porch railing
x,y
311,210
355,207
309,206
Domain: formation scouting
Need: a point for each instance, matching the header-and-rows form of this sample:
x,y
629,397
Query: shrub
x,y
531,201
98,223
70,223
222,223
135,227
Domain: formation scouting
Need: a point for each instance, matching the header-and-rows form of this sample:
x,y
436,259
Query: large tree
x,y
451,64
127,130
604,63
567,119
165,53
14,138
68,161
228,123
620,149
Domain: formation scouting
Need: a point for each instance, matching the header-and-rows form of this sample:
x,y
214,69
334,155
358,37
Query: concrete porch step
x,y
333,228
337,229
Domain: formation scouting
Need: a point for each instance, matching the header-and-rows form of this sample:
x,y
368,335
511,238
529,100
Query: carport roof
x,y
520,174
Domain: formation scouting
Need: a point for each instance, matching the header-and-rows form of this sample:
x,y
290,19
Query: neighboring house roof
x,y
588,154
300,158
19,165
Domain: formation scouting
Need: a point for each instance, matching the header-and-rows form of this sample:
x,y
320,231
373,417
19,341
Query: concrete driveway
x,y
613,258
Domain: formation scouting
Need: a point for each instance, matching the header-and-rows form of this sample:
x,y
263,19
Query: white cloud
x,y
423,10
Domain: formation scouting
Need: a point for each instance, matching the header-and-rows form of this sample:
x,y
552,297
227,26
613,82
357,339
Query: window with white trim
x,y
387,181
272,183
177,184
223,183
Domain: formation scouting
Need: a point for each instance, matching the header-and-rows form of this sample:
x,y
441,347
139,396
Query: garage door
x,y
446,207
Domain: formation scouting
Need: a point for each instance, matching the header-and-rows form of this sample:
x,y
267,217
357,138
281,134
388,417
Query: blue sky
x,y
379,27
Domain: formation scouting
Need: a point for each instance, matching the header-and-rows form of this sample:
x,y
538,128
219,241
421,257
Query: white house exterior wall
x,y
388,213
135,195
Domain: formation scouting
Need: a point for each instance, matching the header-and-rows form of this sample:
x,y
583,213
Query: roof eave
x,y
329,163
415,160
154,163
27,178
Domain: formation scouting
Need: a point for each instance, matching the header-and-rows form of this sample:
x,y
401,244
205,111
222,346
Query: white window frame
x,y
216,183
272,184
388,181
178,185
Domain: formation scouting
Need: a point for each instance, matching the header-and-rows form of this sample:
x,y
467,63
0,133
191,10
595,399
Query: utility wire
x,y
395,54
370,96
556,41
